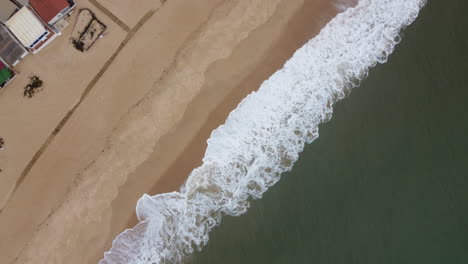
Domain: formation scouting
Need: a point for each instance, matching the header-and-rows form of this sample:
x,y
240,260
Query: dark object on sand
x,y
79,45
87,30
34,84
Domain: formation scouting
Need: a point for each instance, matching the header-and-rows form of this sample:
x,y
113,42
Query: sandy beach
x,y
140,114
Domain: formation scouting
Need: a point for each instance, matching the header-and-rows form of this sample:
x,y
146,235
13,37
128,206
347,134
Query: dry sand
x,y
127,11
144,125
25,123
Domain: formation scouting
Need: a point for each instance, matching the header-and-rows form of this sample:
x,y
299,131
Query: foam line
x,y
263,136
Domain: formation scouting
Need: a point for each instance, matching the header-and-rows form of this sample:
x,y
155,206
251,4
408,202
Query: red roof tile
x,y
48,9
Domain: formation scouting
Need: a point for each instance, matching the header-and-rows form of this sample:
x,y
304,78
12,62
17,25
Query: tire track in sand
x,y
85,93
110,15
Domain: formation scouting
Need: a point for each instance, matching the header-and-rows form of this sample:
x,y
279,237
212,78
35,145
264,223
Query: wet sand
x,y
303,26
145,126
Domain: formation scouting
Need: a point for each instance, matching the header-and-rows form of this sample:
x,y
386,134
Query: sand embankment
x,y
144,126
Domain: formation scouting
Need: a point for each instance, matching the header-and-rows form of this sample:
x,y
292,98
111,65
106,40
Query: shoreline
x,y
191,157
99,201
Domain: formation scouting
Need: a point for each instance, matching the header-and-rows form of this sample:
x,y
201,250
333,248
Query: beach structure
x,y
35,23
6,74
11,50
29,30
53,12
29,26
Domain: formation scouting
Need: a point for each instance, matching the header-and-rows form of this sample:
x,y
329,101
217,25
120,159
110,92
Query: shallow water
x,y
387,180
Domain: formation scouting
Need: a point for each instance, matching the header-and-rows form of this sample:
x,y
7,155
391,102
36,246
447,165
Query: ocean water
x,y
324,209
387,180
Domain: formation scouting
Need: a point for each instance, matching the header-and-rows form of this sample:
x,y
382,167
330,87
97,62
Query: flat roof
x,y
48,9
26,26
5,75
11,50
7,8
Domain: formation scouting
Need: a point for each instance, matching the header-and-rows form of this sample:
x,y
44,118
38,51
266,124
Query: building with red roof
x,y
51,11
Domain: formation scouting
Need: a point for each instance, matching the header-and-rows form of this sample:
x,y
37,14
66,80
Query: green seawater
x,y
387,181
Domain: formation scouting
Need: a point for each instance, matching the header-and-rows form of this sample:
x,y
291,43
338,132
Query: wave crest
x,y
264,135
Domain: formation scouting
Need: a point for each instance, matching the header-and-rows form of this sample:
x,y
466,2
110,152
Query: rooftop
x,y
5,75
25,26
7,8
11,51
48,9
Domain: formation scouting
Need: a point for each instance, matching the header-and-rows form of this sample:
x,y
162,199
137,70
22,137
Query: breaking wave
x,y
264,135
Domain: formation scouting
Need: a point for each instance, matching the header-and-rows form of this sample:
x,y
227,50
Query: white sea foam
x,y
264,135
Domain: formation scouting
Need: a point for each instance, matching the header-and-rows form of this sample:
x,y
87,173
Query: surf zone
x,y
264,135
